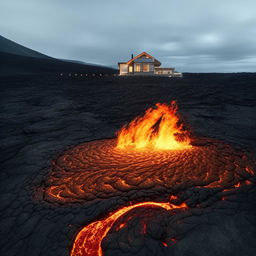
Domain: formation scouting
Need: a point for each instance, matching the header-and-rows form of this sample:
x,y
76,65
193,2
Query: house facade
x,y
145,64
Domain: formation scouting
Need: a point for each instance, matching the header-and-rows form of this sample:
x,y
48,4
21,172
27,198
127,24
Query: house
x,y
145,64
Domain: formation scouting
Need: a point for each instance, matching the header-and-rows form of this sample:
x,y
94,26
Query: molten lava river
x,y
152,157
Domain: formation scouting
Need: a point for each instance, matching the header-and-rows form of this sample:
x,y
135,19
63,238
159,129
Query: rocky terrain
x,y
43,116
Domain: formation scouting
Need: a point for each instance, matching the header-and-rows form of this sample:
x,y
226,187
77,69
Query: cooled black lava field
x,y
46,120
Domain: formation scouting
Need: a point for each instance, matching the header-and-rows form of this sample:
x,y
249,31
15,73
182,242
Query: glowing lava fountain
x,y
88,241
158,128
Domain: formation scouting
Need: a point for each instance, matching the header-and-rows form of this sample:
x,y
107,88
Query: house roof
x,y
157,62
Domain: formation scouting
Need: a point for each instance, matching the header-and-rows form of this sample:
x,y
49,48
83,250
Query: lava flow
x,y
88,241
152,156
158,128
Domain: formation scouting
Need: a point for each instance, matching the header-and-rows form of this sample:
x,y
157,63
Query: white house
x,y
145,64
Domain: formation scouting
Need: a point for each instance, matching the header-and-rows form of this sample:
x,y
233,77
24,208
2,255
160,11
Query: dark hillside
x,y
11,64
8,46
17,59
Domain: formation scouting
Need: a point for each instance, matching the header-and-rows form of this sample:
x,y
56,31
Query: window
x,y
145,67
130,69
137,67
123,68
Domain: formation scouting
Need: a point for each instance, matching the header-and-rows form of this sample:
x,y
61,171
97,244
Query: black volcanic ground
x,y
41,116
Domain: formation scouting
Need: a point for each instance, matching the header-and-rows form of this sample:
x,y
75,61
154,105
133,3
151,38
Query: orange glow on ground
x,y
164,244
214,164
169,161
88,240
159,129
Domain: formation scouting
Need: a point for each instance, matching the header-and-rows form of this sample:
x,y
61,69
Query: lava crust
x,y
98,169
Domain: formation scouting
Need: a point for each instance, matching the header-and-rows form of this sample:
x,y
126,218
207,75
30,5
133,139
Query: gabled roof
x,y
157,62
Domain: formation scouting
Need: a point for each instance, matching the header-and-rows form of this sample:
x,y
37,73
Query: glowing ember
x,y
159,128
88,241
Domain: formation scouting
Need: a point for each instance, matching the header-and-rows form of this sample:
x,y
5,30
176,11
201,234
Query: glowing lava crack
x,y
99,170
88,241
154,156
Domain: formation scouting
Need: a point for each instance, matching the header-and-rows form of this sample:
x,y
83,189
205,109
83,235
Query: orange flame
x,y
157,129
88,240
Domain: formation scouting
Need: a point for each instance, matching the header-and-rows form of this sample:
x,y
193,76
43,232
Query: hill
x,y
17,59
8,46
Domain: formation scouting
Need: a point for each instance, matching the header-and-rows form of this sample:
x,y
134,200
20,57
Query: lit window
x,y
145,67
130,69
137,67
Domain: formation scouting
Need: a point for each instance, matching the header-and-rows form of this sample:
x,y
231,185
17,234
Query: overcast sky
x,y
191,35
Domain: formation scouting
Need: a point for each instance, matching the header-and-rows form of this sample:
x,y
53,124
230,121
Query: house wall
x,y
152,67
123,69
141,71
144,60
164,71
140,62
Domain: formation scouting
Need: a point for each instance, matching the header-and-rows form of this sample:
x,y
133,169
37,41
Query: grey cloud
x,y
195,36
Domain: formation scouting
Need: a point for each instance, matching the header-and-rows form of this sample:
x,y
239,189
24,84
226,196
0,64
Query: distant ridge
x,y
17,59
11,47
